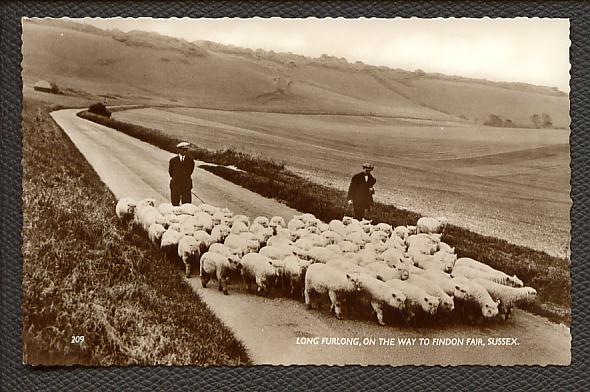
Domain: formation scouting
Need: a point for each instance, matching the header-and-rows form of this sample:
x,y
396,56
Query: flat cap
x,y
368,166
182,144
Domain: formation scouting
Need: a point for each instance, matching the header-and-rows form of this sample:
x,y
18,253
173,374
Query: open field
x,y
548,274
85,274
508,183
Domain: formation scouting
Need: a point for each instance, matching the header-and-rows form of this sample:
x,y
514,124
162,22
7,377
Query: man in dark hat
x,y
360,191
181,169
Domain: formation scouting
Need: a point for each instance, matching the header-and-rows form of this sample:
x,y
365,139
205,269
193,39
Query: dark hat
x,y
368,166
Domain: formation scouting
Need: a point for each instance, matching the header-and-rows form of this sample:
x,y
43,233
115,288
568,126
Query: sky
x,y
529,50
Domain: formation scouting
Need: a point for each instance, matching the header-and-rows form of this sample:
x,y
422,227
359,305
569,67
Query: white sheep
x,y
417,299
383,227
323,279
348,246
147,215
478,265
222,249
440,260
446,247
508,296
294,269
429,225
209,209
446,304
262,221
275,253
203,221
241,245
332,237
295,224
220,233
188,209
189,252
475,297
241,218
322,255
204,239
257,268
493,275
221,266
277,221
401,232
387,273
155,233
379,236
394,257
125,209
337,227
394,242
166,209
238,227
378,294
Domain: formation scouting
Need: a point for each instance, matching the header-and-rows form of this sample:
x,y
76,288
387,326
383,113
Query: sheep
x,y
401,232
349,267
376,247
441,260
209,209
394,242
125,209
166,209
416,300
222,249
146,214
337,227
508,296
301,233
323,226
366,256
321,255
220,265
431,225
203,221
305,243
332,237
322,279
241,218
347,246
359,238
238,227
146,202
155,233
475,296
171,219
388,273
446,301
394,257
446,247
277,221
204,240
335,248
478,265
257,268
383,227
493,275
275,253
241,245
220,233
378,293
441,279
379,236
262,221
294,269
188,209
295,224
421,243
189,252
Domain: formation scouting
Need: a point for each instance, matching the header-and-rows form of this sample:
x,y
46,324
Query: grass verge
x,y
85,274
548,274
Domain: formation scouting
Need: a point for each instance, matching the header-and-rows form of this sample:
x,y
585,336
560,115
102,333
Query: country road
x,y
269,328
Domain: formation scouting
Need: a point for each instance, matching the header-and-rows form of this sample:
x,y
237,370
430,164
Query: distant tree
x,y
494,121
100,109
419,72
508,123
546,121
536,120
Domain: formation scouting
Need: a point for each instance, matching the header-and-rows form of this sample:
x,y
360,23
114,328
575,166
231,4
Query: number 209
x,y
77,339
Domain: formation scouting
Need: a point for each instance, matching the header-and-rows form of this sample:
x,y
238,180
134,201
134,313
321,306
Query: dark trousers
x,y
180,195
360,210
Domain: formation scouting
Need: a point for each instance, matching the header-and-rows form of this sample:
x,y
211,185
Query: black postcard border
x,y
16,376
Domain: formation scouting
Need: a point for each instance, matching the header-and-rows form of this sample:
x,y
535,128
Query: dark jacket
x,y
359,192
181,172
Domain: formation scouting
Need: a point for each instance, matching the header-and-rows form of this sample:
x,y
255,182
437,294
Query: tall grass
x,y
86,274
548,274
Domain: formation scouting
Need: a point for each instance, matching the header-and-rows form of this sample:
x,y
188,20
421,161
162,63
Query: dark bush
x,y
100,109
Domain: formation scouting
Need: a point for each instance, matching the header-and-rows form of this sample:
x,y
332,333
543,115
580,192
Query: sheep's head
x,y
490,309
355,280
515,281
430,304
396,299
448,304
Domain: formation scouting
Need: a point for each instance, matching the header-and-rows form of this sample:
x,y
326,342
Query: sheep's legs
x,y
335,304
307,296
204,279
378,311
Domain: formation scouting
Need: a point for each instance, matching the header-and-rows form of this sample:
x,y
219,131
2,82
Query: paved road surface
x,y
269,328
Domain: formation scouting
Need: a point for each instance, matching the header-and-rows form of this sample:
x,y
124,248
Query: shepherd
x,y
181,169
360,191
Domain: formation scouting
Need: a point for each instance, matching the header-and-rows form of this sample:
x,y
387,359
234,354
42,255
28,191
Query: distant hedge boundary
x,y
548,274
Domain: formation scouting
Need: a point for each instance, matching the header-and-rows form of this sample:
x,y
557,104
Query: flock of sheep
x,y
355,263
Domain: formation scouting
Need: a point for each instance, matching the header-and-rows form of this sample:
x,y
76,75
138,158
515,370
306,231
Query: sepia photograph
x,y
306,191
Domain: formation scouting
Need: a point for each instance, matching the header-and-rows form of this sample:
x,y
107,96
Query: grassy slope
x,y
155,69
86,274
549,275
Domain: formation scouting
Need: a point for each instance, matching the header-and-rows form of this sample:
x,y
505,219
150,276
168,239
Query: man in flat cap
x,y
360,191
181,169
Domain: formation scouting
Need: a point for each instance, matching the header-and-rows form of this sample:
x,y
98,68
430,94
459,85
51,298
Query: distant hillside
x,y
151,68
